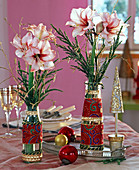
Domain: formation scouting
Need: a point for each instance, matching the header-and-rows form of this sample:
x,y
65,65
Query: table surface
x,y
10,151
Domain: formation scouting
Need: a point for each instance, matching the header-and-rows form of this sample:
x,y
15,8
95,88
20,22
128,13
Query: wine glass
x,y
7,106
16,100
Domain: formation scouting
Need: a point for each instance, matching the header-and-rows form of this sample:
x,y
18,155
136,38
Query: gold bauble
x,y
61,140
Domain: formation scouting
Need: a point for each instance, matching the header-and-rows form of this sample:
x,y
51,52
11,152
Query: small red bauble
x,y
69,132
68,154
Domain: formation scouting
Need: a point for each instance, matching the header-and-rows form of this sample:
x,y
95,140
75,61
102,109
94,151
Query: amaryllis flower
x,y
110,26
24,44
43,59
40,32
81,20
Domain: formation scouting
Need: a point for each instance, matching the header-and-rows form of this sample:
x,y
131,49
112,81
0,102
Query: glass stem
x,y
17,114
7,120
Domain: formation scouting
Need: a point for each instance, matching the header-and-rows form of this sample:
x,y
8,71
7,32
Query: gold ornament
x,y
116,101
61,140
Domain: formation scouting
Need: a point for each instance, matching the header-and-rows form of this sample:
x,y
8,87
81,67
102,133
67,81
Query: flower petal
x,y
29,60
41,32
35,42
71,23
90,25
77,31
111,25
49,65
31,28
19,53
44,45
35,66
75,15
27,39
81,19
16,42
29,57
87,13
49,56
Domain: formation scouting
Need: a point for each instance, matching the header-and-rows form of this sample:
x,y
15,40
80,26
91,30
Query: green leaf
x,y
54,90
43,97
43,85
127,19
77,67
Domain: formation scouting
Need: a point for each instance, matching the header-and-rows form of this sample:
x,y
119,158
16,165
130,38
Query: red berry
x,y
68,154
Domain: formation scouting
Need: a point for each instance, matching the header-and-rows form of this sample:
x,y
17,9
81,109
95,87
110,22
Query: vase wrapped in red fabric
x,y
32,137
92,121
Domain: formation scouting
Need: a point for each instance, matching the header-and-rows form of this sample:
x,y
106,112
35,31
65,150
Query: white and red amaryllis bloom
x,y
81,20
43,59
23,45
110,26
40,32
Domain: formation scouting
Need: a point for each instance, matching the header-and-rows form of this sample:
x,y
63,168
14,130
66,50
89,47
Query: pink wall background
x,y
48,12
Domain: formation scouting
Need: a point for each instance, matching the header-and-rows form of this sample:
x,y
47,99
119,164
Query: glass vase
x,y
92,119
32,136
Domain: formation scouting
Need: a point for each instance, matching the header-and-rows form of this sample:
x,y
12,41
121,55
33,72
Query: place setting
x,y
54,114
53,118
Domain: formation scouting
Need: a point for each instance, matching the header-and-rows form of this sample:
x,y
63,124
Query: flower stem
x,y
31,77
30,85
93,57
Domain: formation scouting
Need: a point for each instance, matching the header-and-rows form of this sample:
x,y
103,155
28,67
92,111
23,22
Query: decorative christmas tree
x,y
116,140
116,101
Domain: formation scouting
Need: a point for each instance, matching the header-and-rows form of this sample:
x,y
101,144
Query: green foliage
x,y
118,160
89,64
35,85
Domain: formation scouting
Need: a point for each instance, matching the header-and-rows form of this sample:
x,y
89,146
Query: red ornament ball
x,y
69,132
68,154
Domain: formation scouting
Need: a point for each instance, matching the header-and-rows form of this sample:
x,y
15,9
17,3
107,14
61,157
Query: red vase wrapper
x,y
92,135
92,125
32,134
92,107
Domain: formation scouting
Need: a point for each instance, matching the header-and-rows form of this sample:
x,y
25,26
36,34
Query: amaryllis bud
x,y
99,27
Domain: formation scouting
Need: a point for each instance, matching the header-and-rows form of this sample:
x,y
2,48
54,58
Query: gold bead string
x,y
92,119
92,91
32,113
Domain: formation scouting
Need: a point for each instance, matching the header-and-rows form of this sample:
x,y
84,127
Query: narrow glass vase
x,y
32,136
92,120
